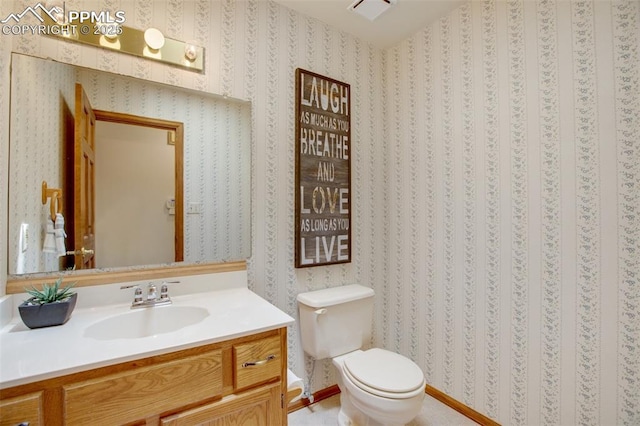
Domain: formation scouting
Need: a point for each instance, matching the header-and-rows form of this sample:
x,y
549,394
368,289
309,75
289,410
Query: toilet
x,y
377,386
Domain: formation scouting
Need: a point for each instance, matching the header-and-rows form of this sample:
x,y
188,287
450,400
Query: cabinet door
x,y
25,409
257,407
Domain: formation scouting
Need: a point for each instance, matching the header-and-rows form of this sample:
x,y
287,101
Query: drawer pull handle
x,y
261,362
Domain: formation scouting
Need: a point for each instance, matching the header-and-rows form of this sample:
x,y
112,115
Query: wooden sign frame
x,y
323,170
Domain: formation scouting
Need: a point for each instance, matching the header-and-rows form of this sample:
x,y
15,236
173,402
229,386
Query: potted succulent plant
x,y
48,307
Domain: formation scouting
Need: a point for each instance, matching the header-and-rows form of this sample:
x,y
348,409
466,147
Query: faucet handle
x,y
137,295
164,289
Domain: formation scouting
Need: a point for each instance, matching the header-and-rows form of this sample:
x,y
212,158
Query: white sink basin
x,y
145,322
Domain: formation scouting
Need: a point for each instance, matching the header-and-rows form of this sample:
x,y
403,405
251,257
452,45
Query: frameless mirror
x,y
139,171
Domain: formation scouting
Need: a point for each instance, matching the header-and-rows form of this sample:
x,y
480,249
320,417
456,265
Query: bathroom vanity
x,y
227,366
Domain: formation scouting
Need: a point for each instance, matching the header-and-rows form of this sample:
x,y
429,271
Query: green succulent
x,y
50,293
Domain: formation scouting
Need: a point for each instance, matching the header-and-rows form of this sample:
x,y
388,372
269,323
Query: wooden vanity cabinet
x,y
236,382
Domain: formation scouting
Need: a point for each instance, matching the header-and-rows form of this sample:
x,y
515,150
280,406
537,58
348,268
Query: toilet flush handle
x,y
321,311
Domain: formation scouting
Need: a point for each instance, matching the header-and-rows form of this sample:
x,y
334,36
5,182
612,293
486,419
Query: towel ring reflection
x,y
56,199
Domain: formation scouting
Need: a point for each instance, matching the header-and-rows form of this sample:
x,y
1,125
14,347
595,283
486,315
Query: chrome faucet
x,y
152,295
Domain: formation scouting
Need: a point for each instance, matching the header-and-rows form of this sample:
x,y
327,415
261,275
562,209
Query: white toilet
x,y
377,387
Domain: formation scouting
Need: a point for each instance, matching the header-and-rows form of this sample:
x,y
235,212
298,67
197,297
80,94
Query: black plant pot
x,y
49,314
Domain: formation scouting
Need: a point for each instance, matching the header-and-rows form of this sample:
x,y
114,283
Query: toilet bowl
x,y
378,387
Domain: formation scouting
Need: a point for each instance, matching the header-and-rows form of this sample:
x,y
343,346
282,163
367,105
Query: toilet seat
x,y
384,373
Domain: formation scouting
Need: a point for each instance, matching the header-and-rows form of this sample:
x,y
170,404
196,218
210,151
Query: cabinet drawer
x,y
134,395
22,409
256,362
255,407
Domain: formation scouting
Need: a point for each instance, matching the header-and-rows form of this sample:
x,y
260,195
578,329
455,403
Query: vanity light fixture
x,y
150,44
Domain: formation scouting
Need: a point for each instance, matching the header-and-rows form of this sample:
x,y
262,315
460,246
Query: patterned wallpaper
x,y
513,146
495,188
5,80
38,146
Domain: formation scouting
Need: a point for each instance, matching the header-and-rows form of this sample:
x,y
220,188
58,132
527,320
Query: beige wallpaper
x,y
513,243
38,146
5,80
495,176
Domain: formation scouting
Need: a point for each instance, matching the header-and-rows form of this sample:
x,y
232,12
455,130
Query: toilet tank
x,y
335,321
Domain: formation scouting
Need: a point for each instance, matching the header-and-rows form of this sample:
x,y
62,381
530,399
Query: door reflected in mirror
x,y
135,225
136,202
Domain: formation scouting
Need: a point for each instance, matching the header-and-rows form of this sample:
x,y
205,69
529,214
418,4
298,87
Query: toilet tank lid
x,y
334,295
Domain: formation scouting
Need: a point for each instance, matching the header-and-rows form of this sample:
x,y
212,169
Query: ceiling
x,y
400,21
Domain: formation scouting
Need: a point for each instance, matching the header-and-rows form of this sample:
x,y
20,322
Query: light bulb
x,y
56,11
190,51
109,31
154,38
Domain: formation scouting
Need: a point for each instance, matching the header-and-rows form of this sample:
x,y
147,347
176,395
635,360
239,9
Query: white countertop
x,y
31,355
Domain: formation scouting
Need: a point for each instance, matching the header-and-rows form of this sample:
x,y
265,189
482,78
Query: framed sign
x,y
323,170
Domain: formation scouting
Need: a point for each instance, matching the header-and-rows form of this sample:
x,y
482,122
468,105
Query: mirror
x,y
216,169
